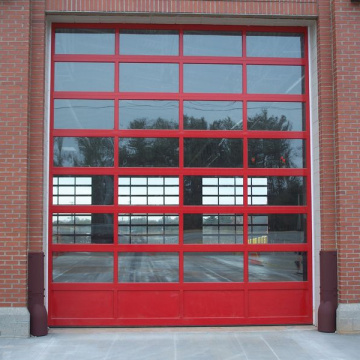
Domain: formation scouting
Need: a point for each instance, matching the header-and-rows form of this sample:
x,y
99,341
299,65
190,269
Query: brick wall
x,y
346,31
14,89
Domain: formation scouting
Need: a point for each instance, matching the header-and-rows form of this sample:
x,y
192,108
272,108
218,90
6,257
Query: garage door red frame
x,y
180,303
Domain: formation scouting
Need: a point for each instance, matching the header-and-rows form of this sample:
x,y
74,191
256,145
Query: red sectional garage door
x,y
179,176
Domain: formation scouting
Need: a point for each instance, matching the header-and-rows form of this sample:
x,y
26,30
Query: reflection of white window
x,y
222,191
257,191
72,190
148,190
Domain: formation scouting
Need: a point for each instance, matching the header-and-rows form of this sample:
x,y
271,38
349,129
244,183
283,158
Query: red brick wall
x,y
346,31
14,88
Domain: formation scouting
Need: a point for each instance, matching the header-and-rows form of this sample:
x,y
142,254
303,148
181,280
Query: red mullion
x,y
274,97
256,134
84,248
71,171
136,171
94,209
84,58
277,210
213,171
199,209
149,133
152,209
216,60
277,247
214,248
277,172
81,132
147,248
84,95
219,134
275,61
147,96
145,59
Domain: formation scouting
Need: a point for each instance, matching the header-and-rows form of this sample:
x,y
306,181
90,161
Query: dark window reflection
x,y
277,266
149,42
222,153
211,43
213,115
213,267
149,152
85,41
277,229
209,78
84,76
148,229
277,190
83,114
276,116
142,77
276,153
83,267
213,229
83,151
83,190
145,267
83,228
274,45
275,79
149,114
200,190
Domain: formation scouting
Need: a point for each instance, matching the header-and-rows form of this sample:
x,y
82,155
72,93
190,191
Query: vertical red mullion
x,y
181,176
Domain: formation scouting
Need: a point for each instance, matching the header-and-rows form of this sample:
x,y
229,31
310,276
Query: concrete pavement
x,y
206,343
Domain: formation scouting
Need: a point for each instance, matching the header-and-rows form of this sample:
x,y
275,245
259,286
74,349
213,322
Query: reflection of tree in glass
x,y
271,153
95,151
159,123
150,152
286,190
227,123
58,154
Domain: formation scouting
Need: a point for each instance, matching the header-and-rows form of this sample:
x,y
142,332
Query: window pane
x,y
200,190
213,115
83,114
277,190
277,266
83,267
149,152
83,151
138,190
211,43
276,116
149,42
213,267
83,228
276,153
275,79
153,114
222,153
83,190
145,267
86,76
148,229
85,41
142,77
213,229
208,78
277,229
275,45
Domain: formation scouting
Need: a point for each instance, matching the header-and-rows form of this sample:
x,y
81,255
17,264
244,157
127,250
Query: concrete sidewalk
x,y
224,343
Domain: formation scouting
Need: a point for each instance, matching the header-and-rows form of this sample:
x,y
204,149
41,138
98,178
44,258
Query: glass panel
x,y
148,114
213,115
213,229
277,229
154,229
83,114
211,43
83,228
141,77
84,76
200,190
148,190
276,116
277,190
83,267
275,45
83,151
136,267
84,41
83,190
221,153
276,153
208,78
149,152
277,266
275,79
213,267
149,42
